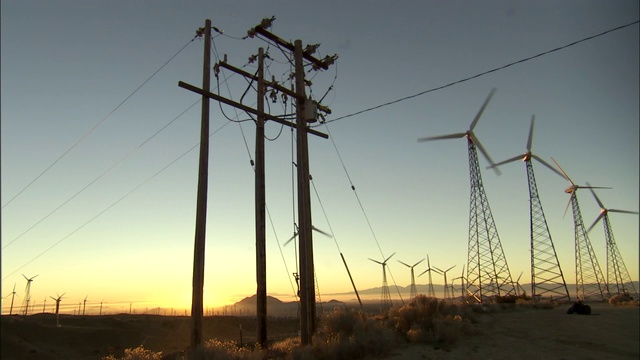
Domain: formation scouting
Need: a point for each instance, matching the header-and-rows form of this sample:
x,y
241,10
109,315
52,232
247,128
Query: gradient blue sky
x,y
66,65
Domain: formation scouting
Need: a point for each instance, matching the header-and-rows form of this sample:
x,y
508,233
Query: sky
x,y
113,219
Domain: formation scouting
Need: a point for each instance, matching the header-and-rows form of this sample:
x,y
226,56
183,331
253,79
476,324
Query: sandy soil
x,y
610,332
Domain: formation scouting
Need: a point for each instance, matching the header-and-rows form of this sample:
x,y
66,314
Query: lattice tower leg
x,y
431,291
488,273
414,291
621,282
547,279
590,283
385,302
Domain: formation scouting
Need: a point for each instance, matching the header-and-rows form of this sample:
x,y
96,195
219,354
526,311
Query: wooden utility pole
x,y
307,284
307,290
261,256
201,206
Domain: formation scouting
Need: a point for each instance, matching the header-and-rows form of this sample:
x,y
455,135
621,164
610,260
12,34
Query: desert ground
x,y
610,332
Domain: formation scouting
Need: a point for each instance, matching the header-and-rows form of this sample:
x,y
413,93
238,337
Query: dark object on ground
x,y
579,308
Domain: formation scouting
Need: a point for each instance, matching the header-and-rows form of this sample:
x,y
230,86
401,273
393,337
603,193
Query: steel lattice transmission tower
x,y
413,291
590,283
385,297
488,273
618,279
547,279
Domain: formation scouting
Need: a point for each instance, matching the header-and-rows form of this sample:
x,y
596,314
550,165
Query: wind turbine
x,y
446,284
590,284
84,305
461,277
616,268
13,295
430,291
413,291
101,306
488,273
547,278
385,301
27,292
295,234
57,300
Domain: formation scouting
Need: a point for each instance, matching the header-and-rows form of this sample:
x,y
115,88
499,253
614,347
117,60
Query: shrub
x,y
427,320
139,353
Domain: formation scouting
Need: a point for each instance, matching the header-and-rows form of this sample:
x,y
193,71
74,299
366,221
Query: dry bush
x,y
139,353
622,299
428,320
347,334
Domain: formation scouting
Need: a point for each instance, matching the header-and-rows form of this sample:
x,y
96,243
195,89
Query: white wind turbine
x,y
488,273
430,291
617,273
590,284
413,291
547,278
385,300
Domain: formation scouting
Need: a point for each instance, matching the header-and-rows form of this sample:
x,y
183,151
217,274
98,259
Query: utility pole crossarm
x,y
274,85
323,64
246,108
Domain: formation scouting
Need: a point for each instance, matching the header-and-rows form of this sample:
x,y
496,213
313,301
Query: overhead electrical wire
x,y
481,74
113,204
96,125
122,159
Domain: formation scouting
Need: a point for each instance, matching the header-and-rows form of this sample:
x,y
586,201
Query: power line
x,y
122,159
483,73
96,125
113,204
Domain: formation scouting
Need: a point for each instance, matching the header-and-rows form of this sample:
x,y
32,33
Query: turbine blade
x,y
450,268
407,265
595,196
569,203
442,137
321,232
517,157
563,173
435,268
387,259
622,211
414,265
547,165
595,222
486,102
290,239
530,139
375,261
485,153
428,263
422,273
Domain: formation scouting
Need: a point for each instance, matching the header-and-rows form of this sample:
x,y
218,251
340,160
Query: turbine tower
x,y
618,279
27,294
547,279
413,291
385,300
430,291
461,277
446,284
488,273
590,284
13,295
57,300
